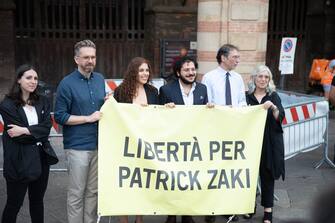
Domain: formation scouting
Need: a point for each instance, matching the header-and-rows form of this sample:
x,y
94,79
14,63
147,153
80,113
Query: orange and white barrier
x,y
305,125
110,85
55,128
299,113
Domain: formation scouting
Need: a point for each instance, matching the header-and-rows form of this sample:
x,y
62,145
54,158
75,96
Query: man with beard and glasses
x,y
80,96
183,91
225,87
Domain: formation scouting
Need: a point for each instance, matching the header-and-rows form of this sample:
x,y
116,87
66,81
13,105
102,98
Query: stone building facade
x,y
242,23
139,26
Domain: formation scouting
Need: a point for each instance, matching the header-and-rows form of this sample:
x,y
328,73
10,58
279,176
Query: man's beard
x,y
89,68
185,81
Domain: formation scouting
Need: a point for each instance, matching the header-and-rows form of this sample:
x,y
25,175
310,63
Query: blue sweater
x,y
77,95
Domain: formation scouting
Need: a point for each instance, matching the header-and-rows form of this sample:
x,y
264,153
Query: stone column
x,y
7,48
209,33
239,22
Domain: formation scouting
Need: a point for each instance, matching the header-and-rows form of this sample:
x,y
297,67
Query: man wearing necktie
x,y
225,87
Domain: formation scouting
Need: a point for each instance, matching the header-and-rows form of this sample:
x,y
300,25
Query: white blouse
x,y
31,114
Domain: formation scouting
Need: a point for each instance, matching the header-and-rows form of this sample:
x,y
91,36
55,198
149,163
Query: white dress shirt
x,y
188,98
215,81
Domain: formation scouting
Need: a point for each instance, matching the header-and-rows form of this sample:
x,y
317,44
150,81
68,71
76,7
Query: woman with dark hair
x,y
27,123
136,89
262,91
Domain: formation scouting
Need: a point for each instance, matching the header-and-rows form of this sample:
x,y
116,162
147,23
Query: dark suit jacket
x,y
172,93
13,147
150,91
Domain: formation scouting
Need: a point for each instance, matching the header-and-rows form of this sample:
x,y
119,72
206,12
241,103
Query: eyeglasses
x,y
88,57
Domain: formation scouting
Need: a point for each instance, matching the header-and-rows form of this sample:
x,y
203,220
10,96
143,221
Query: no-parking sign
x,y
287,51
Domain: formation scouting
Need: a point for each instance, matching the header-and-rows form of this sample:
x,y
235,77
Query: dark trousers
x,y
267,187
16,192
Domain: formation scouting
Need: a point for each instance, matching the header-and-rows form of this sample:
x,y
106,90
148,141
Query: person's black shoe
x,y
267,216
209,218
235,218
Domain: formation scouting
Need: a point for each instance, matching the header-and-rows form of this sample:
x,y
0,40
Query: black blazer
x,y
150,91
172,93
273,143
13,114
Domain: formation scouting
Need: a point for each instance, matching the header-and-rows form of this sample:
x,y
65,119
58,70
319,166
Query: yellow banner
x,y
189,160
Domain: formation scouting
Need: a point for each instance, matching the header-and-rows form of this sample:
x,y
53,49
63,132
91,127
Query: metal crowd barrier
x,y
306,127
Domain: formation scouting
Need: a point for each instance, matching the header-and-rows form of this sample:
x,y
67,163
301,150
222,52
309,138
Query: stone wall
x,y
239,22
211,22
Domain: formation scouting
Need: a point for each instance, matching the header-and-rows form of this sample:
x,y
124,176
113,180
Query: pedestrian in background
x,y
327,78
332,89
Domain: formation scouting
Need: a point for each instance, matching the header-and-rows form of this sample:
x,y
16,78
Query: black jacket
x,y
14,147
172,93
273,143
